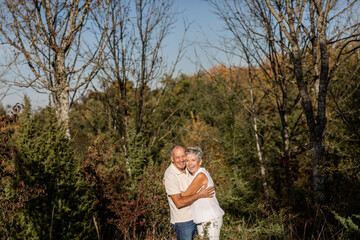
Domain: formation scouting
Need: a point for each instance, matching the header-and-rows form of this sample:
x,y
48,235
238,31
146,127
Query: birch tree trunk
x,y
62,106
258,146
61,94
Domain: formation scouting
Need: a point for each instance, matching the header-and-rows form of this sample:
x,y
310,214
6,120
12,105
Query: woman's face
x,y
192,163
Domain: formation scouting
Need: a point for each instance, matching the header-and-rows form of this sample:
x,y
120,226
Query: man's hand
x,y
206,192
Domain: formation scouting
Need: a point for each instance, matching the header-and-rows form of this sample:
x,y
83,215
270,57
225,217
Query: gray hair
x,y
173,148
194,150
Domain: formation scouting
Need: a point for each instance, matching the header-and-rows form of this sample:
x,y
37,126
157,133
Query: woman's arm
x,y
183,201
199,181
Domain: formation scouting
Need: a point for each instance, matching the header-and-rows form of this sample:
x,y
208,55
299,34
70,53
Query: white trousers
x,y
210,229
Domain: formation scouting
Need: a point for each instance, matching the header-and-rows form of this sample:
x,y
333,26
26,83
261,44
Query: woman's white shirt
x,y
206,209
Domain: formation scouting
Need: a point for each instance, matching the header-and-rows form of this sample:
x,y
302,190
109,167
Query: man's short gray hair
x,y
173,148
194,150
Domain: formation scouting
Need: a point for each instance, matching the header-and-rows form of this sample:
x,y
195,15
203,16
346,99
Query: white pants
x,y
210,229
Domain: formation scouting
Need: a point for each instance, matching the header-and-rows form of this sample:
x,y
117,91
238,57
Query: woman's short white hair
x,y
194,150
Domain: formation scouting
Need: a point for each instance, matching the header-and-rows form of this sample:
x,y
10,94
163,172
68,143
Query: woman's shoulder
x,y
201,177
202,173
203,170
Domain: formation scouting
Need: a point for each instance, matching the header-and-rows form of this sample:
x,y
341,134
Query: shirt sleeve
x,y
172,185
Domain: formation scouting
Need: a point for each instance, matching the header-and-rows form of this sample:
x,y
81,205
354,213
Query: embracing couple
x,y
194,209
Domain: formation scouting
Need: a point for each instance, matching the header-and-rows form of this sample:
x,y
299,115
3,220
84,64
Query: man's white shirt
x,y
175,183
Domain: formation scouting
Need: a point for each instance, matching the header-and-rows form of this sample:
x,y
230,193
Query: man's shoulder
x,y
169,172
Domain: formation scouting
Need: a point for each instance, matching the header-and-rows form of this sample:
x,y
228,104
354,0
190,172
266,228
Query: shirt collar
x,y
178,172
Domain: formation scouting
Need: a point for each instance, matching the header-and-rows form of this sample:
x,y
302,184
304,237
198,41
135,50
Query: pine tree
x,y
45,158
139,153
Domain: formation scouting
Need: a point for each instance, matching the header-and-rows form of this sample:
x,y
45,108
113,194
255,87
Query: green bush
x,y
44,158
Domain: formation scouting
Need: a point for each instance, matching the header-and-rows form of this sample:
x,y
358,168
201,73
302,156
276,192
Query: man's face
x,y
179,158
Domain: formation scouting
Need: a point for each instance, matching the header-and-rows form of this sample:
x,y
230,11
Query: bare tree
x,y
6,63
256,135
319,32
133,60
154,21
4,88
49,36
306,28
266,65
117,68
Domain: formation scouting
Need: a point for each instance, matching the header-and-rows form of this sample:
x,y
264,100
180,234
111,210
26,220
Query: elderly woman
x,y
207,213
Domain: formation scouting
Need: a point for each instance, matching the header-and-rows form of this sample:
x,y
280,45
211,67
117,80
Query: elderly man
x,y
177,179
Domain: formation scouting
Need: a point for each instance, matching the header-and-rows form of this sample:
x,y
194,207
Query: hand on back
x,y
207,192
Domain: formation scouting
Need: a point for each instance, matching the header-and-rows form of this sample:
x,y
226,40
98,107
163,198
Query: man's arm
x,y
200,181
183,201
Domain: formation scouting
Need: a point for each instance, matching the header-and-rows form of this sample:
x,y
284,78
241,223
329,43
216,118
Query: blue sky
x,y
204,25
